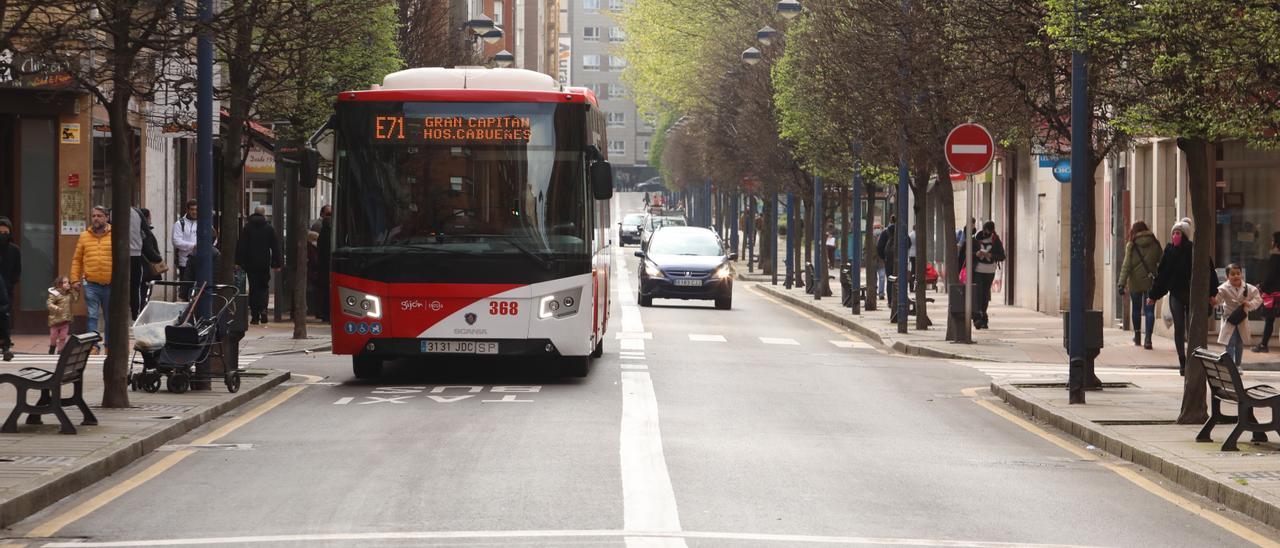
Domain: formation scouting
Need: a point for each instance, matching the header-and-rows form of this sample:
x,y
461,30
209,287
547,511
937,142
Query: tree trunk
x,y
920,189
233,150
1195,389
115,370
947,203
301,204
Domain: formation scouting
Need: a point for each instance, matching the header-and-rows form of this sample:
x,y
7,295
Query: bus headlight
x,y
560,304
360,304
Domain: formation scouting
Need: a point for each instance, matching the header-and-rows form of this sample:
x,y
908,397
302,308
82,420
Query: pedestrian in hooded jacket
x,y
1173,278
1270,285
258,252
1137,273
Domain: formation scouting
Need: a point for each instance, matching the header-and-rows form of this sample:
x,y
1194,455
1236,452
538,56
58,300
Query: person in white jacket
x,y
184,238
1233,294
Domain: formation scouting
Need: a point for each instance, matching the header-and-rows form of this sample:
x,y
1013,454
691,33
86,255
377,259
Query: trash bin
x,y
847,293
1092,331
808,278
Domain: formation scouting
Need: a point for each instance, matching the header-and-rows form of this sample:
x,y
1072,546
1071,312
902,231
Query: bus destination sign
x,y
453,129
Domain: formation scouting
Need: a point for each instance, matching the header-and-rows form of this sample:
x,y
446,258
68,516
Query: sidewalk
x,y
1133,418
39,466
1016,335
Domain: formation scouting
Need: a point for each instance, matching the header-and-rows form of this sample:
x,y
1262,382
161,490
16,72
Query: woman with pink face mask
x,y
1174,279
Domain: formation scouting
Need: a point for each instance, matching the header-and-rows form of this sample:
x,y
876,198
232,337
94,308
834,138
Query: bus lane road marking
x,y
393,395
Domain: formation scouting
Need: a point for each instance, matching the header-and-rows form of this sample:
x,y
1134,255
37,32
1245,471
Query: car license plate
x,y
459,347
689,283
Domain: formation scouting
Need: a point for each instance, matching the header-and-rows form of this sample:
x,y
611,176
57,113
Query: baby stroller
x,y
171,340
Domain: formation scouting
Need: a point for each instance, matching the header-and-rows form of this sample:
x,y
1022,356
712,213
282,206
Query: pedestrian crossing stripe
x,y
778,340
706,338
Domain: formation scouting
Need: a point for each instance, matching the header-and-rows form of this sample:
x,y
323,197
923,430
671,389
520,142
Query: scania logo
x,y
470,317
436,306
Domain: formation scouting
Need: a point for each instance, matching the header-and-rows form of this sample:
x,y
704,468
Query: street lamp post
x,y
855,255
1080,131
789,279
819,243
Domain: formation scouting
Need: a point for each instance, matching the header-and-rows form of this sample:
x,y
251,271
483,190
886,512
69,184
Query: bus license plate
x,y
689,283
459,347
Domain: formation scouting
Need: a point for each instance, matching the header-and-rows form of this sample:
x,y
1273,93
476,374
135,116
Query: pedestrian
x,y
1141,262
313,267
829,243
59,303
136,265
11,274
646,199
1270,290
1238,299
325,244
324,211
258,253
91,270
880,277
1173,278
911,260
988,253
184,242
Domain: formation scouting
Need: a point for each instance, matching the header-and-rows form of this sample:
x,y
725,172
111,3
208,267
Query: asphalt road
x,y
699,427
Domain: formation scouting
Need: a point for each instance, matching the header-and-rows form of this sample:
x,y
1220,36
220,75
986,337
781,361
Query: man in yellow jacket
x,y
91,268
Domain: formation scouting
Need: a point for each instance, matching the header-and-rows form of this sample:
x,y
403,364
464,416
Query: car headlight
x,y
724,272
652,269
360,304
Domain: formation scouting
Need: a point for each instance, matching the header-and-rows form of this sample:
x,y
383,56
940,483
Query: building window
x,y
591,5
645,145
648,124
591,62
615,5
497,12
617,63
617,34
590,34
616,119
617,148
616,91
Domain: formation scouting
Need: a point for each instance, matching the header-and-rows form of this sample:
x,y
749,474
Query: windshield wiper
x,y
543,261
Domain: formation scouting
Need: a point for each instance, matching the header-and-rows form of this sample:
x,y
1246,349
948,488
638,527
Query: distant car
x,y
684,262
653,222
629,229
651,185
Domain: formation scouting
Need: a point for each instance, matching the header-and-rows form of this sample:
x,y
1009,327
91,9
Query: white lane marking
x,y
628,357
631,352
599,533
706,338
635,366
649,501
343,401
775,340
852,344
635,335
631,344
631,319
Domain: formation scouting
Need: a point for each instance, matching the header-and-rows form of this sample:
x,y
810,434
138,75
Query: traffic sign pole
x,y
969,149
965,333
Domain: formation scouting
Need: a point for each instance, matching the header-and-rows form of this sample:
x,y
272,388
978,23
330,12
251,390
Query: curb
x,y
1259,505
108,460
901,347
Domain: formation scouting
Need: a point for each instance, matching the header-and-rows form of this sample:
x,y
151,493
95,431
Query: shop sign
x,y
73,180
260,162
70,134
25,71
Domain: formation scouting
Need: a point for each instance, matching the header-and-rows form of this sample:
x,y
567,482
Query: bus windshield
x,y
461,178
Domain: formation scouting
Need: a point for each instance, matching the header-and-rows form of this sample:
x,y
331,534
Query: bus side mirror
x,y
309,170
602,180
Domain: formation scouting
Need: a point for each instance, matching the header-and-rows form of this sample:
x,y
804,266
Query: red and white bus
x,y
470,216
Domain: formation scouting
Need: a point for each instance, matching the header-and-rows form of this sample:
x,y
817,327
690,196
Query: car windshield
x,y
633,219
685,242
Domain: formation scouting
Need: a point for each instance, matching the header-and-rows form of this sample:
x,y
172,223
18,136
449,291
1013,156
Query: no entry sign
x,y
969,148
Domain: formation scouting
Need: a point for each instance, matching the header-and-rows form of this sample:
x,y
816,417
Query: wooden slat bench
x,y
1225,384
70,370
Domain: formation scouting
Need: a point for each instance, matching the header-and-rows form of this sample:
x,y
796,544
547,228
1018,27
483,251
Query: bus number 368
x,y
504,308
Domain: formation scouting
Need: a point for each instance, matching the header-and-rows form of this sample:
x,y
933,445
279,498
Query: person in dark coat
x,y
1271,284
988,253
10,273
258,253
1173,278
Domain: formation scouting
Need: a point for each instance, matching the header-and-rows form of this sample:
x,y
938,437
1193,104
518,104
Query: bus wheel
x,y
366,367
575,366
599,351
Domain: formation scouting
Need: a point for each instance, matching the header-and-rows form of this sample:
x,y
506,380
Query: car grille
x,y
688,273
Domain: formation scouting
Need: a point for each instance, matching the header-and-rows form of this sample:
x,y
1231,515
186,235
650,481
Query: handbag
x,y
1236,316
1269,300
158,268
